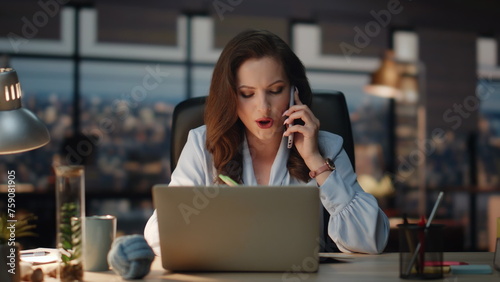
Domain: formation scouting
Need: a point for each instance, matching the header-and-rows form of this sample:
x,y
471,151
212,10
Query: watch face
x,y
330,164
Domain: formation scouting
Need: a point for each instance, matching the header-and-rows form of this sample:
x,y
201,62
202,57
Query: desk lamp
x,y
20,129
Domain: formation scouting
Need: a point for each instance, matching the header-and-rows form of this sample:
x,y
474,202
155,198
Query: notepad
x,y
471,269
40,255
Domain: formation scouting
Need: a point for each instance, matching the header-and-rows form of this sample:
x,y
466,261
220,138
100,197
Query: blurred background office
x,y
105,76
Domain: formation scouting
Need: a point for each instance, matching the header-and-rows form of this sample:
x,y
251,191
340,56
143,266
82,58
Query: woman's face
x,y
263,95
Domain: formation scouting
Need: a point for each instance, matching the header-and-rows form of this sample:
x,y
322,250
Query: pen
x,y
408,234
35,254
433,212
421,243
228,180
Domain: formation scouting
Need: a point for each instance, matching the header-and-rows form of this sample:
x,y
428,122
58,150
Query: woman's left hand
x,y
305,136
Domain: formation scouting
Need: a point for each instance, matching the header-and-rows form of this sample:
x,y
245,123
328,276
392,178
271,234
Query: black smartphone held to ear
x,y
292,99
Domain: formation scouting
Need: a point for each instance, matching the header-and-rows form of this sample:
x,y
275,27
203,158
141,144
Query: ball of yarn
x,y
131,256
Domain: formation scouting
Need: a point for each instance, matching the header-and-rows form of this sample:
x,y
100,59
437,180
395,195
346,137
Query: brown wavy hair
x,y
224,129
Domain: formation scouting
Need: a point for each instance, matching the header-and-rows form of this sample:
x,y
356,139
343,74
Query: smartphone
x,y
292,99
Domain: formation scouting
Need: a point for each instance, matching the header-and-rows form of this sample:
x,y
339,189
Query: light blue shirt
x,y
356,223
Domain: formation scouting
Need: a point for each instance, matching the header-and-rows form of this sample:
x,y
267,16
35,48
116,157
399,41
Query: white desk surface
x,y
384,267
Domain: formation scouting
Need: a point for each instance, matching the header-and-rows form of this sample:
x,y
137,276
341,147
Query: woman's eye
x,y
276,91
246,95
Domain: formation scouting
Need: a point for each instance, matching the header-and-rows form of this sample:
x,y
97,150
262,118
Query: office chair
x,y
330,108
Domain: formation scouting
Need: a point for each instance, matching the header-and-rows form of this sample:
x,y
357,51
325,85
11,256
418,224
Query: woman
x,y
244,137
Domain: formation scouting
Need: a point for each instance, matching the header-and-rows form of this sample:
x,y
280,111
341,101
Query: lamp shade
x,y
20,129
385,80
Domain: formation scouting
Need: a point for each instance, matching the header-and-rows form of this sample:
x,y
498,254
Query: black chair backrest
x,y
330,108
188,114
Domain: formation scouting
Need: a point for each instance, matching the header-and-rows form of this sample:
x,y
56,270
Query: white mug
x,y
100,231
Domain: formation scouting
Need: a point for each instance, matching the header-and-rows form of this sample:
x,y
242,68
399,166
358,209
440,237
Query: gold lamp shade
x,y
386,79
20,129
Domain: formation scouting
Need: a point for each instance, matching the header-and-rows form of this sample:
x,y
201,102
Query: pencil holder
x,y
420,251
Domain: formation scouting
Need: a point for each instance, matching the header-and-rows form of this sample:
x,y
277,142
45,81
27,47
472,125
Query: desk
x,y
384,267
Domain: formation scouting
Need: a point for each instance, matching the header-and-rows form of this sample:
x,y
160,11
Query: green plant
x,y
70,243
70,233
16,229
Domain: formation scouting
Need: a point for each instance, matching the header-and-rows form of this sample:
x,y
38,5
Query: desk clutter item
x,y
39,256
30,273
100,231
471,269
427,244
131,257
420,243
70,207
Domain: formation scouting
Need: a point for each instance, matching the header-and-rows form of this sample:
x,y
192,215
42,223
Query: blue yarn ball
x,y
131,257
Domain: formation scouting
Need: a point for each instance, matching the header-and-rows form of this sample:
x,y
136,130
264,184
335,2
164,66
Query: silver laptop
x,y
221,228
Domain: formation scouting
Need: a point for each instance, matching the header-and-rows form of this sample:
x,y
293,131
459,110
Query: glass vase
x,y
70,204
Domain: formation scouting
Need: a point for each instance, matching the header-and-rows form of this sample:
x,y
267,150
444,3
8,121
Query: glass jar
x,y
70,206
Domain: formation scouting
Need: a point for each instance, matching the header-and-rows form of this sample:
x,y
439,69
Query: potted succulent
x,y
10,231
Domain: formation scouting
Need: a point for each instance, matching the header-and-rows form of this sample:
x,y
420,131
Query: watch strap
x,y
328,166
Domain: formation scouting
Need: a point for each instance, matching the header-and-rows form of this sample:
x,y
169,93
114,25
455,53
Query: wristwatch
x,y
329,165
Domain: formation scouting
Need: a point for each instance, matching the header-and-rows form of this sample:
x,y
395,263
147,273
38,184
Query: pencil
x,y
408,234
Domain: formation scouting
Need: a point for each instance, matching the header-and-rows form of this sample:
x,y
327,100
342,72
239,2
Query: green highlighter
x,y
228,180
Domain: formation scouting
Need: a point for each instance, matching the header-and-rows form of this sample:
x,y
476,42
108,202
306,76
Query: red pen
x,y
445,263
421,240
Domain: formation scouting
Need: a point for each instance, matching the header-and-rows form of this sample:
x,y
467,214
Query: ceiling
x,y
481,16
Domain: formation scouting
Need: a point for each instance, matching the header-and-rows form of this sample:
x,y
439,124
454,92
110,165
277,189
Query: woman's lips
x,y
264,122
